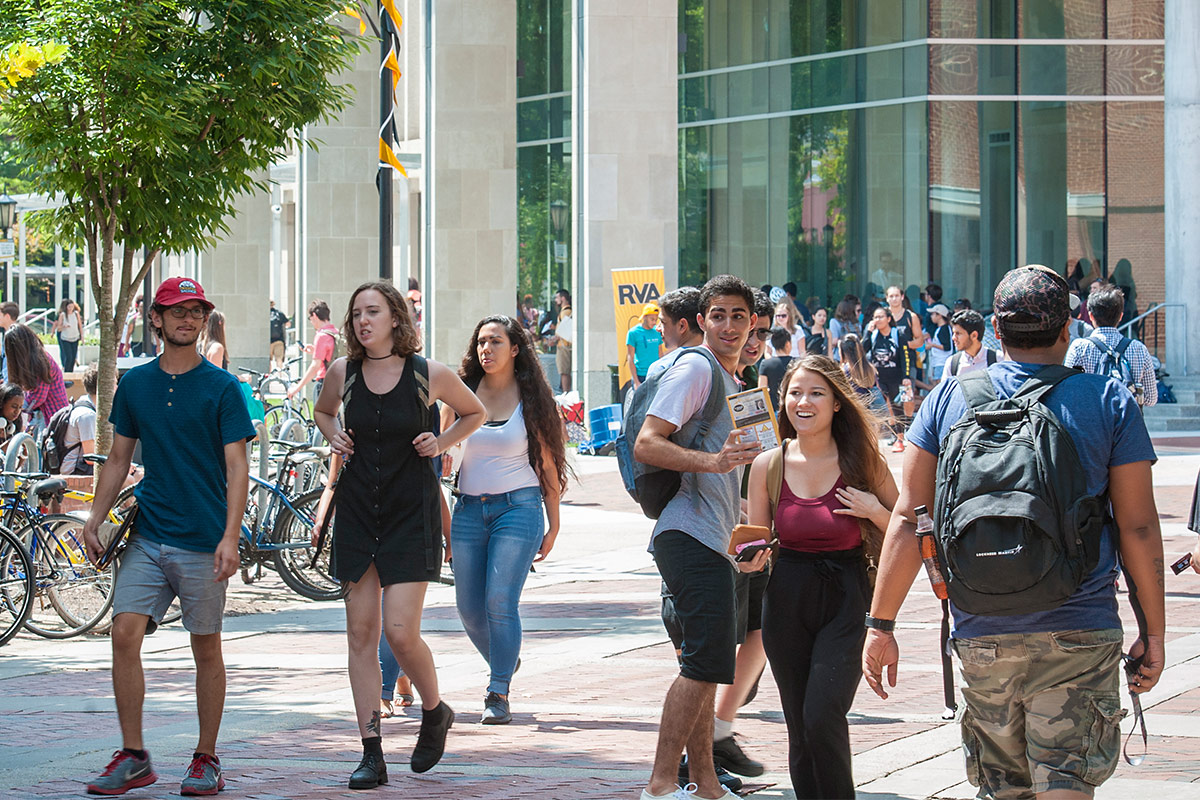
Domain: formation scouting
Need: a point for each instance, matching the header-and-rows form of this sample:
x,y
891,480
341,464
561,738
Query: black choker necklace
x,y
379,358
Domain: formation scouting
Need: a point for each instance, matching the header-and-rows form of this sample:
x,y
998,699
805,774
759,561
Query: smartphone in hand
x,y
1182,564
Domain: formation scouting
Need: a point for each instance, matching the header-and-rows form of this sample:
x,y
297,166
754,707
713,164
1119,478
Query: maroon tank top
x,y
808,524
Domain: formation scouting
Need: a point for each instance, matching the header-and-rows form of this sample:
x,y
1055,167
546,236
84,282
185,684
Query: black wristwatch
x,y
885,625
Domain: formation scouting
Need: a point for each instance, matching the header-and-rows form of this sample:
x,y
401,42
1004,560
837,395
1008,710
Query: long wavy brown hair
x,y
543,424
28,362
406,340
854,432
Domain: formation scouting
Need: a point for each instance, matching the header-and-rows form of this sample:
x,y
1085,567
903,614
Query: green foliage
x,y
158,116
163,110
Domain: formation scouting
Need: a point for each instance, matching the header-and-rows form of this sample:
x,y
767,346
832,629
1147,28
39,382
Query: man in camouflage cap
x,y
1042,689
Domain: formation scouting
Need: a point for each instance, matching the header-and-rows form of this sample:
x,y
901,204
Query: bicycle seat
x,y
48,487
94,458
289,445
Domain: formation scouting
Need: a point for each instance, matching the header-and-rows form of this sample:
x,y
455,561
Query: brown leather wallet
x,y
748,533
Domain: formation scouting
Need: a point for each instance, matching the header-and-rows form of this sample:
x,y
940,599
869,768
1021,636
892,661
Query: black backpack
x,y
1017,531
53,441
1115,365
653,487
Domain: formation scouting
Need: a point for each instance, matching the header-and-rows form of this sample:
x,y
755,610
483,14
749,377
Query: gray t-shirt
x,y
707,506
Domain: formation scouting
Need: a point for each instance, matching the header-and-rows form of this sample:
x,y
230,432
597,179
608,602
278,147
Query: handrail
x,y
1127,328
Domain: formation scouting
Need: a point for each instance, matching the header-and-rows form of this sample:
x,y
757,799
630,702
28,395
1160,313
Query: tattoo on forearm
x,y
1160,572
373,727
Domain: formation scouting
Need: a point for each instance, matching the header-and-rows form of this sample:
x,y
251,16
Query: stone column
x,y
1181,183
472,169
627,160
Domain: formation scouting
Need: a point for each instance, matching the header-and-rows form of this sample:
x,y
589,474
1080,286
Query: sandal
x,y
386,710
405,697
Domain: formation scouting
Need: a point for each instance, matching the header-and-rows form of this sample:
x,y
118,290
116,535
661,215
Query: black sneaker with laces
x,y
731,782
371,772
431,741
728,753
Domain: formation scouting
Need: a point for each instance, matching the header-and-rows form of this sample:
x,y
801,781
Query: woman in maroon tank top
x,y
836,496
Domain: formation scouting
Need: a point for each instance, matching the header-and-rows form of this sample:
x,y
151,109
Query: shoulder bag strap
x,y
955,360
775,478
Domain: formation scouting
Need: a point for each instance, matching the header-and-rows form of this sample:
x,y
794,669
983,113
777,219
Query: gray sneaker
x,y
204,776
123,773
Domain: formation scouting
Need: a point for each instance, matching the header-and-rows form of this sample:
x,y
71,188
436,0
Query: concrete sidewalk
x,y
596,666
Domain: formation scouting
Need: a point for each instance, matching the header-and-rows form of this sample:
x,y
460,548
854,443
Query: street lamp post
x,y
558,220
8,214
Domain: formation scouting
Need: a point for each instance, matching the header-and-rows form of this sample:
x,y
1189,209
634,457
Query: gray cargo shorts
x,y
151,575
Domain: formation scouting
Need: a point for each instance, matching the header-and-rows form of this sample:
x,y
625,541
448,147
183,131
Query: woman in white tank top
x,y
510,468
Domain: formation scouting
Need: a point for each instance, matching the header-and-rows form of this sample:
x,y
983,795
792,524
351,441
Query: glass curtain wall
x,y
848,146
544,67
800,161
1045,172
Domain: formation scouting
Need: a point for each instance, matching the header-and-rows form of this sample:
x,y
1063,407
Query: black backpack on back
x,y
1115,365
1017,531
53,441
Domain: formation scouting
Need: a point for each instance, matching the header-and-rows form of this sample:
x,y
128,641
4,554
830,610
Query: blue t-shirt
x,y
646,344
184,422
1106,424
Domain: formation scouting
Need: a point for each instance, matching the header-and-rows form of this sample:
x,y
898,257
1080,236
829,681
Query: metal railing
x,y
1150,328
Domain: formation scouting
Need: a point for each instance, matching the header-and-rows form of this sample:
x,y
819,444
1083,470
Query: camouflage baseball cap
x,y
1032,298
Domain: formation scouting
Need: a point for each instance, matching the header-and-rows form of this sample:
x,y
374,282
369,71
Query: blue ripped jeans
x,y
494,540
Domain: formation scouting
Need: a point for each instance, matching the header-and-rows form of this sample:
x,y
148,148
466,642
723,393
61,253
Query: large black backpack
x,y
653,487
1017,530
53,441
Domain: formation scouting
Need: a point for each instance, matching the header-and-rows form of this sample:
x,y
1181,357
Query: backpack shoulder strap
x,y
1123,345
955,360
977,389
421,375
1041,382
775,478
1098,340
353,368
991,356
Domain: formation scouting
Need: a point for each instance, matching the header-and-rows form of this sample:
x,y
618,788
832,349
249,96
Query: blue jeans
x,y
495,538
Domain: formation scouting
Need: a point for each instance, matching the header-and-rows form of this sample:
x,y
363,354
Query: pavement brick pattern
x,y
596,665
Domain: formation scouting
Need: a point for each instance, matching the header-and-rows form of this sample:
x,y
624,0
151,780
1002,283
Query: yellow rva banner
x,y
632,289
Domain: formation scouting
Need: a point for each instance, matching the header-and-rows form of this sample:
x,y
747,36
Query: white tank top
x,y
496,459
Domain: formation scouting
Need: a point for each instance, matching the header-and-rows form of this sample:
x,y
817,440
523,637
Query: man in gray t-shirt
x,y
692,534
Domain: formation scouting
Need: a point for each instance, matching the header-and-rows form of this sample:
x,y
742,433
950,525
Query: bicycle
x,y
277,383
17,584
72,594
278,533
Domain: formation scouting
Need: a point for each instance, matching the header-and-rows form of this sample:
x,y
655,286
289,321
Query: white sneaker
x,y
679,793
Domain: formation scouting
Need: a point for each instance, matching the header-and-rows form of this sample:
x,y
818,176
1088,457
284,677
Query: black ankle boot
x,y
431,741
371,771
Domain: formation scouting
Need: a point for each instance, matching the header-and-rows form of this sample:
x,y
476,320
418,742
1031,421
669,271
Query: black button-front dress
x,y
387,504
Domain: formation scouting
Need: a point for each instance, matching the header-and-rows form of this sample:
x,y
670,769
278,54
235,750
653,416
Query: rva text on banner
x,y
633,287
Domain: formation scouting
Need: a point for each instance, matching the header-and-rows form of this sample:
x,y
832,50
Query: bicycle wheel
x,y
16,585
294,564
71,595
85,596
275,416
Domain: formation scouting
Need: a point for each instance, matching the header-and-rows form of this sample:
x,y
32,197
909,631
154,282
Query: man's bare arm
x,y
1131,490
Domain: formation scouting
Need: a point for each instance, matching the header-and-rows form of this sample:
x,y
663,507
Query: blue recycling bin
x,y
604,424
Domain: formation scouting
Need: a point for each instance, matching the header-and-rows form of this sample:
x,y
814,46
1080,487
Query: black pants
x,y
67,353
813,635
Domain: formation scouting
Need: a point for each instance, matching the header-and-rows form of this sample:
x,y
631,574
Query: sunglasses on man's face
x,y
762,333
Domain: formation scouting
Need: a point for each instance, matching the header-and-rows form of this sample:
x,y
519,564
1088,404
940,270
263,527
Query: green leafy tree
x,y
159,114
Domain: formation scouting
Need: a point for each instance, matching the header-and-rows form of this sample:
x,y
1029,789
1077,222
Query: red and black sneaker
x,y
123,773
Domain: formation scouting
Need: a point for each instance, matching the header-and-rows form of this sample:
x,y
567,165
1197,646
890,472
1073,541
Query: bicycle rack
x,y
289,425
33,458
264,460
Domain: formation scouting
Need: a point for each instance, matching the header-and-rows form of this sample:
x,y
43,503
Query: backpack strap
x,y
775,478
431,478
1041,382
955,360
1122,346
991,356
712,410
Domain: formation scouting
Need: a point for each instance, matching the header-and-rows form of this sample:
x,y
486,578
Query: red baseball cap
x,y
174,291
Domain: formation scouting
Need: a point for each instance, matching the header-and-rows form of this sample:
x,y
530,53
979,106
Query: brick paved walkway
x,y
596,666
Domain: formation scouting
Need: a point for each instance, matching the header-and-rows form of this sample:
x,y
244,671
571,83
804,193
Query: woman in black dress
x,y
387,513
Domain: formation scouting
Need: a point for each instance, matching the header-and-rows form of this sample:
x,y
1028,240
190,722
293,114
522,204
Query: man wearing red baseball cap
x,y
193,425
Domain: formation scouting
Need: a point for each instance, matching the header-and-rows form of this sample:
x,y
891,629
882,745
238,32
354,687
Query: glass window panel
x,y
953,69
533,120
1135,70
543,251
543,46
1136,235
